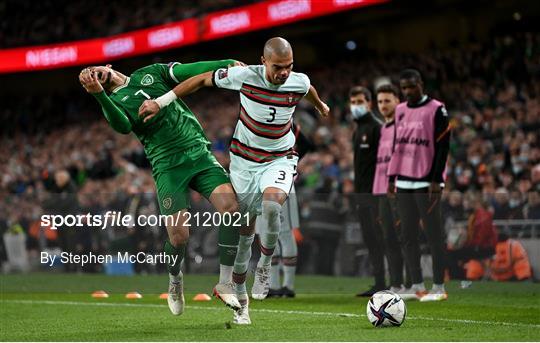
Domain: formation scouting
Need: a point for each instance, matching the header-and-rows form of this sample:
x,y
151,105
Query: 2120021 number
x,y
215,219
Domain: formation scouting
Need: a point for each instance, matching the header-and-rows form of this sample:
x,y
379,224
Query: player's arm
x,y
228,79
150,108
313,97
181,72
442,147
115,116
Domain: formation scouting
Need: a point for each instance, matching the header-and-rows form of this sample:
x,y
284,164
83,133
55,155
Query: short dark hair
x,y
360,90
410,74
388,88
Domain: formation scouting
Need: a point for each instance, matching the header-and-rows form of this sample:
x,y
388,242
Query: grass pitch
x,y
58,307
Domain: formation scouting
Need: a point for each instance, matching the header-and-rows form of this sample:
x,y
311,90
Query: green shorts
x,y
198,170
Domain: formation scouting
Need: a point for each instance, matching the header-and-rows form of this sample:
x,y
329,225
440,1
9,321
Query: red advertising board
x,y
272,13
101,49
215,25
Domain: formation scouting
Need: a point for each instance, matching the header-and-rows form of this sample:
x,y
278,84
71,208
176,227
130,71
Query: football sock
x,y
438,287
271,224
274,273
289,271
228,246
174,266
241,262
418,287
225,273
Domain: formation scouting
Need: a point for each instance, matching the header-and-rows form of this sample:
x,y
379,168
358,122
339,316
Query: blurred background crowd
x,y
57,152
55,21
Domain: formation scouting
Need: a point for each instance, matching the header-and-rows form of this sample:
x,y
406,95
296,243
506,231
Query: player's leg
x,y
289,249
373,239
173,197
275,283
214,184
410,221
275,266
175,249
429,208
392,245
407,283
241,264
245,184
275,183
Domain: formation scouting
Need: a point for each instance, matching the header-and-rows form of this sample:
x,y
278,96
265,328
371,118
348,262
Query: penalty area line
x,y
262,310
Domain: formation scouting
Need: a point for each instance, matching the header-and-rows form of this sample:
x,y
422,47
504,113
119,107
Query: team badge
x,y
290,98
167,203
147,80
222,73
364,138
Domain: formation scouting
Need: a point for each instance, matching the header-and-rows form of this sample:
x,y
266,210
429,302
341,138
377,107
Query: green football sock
x,y
174,266
228,237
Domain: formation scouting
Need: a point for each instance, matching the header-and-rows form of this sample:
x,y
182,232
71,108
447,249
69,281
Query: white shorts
x,y
249,184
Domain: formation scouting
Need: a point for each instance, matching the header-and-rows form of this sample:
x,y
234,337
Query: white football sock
x,y
271,224
225,273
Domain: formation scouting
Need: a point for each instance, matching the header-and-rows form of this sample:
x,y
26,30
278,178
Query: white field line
x,y
295,312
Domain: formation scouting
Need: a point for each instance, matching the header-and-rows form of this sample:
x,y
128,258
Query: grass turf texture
x,y
58,307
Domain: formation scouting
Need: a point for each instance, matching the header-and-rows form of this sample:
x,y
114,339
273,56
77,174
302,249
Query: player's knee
x,y
179,237
230,207
271,210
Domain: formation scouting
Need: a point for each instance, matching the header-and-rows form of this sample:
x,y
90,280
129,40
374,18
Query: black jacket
x,y
365,144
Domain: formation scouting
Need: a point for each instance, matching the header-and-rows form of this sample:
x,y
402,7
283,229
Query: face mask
x,y
358,111
475,160
513,203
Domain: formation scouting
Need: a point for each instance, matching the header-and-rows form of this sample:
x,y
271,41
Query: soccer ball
x,y
386,308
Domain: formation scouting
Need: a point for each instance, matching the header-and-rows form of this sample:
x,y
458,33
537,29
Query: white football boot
x,y
436,294
413,293
226,293
175,298
261,284
241,316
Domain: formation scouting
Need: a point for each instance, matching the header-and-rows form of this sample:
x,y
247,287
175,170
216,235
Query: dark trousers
x,y
415,205
457,258
393,246
372,235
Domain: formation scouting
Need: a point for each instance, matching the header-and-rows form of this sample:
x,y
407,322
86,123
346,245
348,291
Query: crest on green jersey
x,y
167,203
147,80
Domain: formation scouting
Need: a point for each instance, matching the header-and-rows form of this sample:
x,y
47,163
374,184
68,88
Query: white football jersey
x,y
263,132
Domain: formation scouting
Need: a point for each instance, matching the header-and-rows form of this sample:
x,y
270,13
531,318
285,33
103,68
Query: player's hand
x,y
148,110
89,81
323,109
237,64
433,190
391,192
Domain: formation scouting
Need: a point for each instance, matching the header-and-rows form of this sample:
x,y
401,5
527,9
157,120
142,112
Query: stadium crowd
x,y
30,22
491,90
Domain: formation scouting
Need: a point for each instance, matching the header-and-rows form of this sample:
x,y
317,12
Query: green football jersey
x,y
174,129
